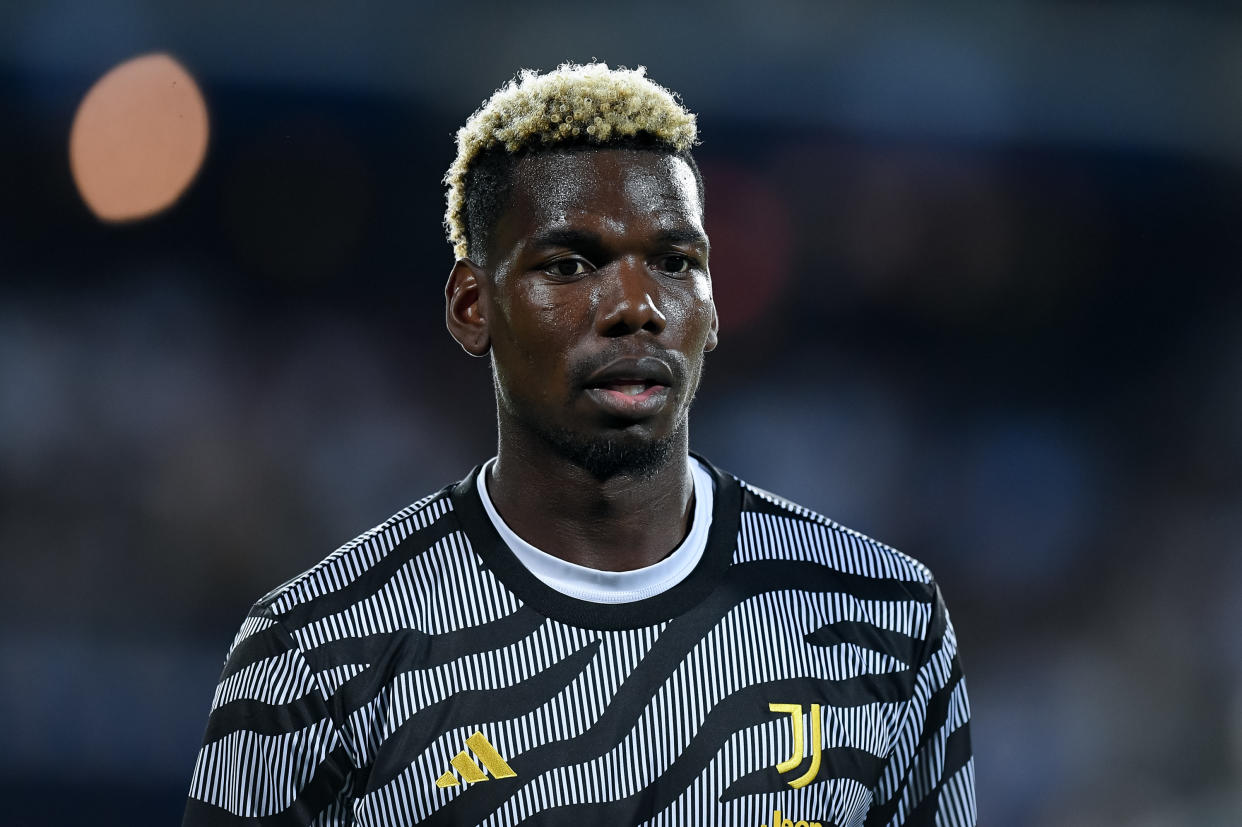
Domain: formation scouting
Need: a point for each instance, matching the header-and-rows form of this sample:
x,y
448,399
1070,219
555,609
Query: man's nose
x,y
628,304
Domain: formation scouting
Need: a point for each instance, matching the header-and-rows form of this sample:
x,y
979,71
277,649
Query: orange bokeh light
x,y
138,139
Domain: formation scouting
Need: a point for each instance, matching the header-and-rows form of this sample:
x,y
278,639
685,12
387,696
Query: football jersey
x,y
800,674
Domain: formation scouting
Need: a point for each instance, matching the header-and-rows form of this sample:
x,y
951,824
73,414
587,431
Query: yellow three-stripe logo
x,y
471,772
795,714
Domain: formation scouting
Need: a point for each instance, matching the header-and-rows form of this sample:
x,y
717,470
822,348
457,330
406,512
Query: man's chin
x,y
611,455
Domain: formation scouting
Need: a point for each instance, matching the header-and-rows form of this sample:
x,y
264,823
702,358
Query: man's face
x,y
600,305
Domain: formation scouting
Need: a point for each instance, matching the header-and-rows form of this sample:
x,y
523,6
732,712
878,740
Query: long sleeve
x,y
930,778
271,753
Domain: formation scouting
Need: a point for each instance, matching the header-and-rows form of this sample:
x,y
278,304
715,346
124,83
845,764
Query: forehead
x,y
616,190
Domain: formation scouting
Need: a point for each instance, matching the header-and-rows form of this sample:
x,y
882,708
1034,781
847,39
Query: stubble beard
x,y
605,456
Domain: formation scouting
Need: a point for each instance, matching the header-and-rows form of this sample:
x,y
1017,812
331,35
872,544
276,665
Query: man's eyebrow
x,y
678,235
574,239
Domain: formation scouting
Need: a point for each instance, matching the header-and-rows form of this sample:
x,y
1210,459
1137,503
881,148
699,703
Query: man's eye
x,y
567,268
675,264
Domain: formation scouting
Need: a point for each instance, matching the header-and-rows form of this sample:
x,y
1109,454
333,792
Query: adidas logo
x,y
471,772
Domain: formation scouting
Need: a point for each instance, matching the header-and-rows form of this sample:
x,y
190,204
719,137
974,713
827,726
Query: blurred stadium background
x,y
978,273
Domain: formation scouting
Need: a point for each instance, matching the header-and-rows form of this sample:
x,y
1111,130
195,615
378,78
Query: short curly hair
x,y
574,106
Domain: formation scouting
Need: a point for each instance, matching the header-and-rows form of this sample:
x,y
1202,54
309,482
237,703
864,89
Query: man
x,y
595,626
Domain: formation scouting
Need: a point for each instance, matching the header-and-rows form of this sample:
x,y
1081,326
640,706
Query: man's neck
x,y
621,523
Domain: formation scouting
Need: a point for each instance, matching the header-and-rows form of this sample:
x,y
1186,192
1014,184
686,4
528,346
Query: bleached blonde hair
x,y
573,105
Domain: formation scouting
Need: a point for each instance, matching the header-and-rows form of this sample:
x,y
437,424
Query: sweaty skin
x,y
600,255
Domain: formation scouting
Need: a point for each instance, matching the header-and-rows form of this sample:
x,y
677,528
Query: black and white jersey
x,y
801,674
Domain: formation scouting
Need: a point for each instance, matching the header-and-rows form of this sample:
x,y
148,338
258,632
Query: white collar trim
x,y
586,583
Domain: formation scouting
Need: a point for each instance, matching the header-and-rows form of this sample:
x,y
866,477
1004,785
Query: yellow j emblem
x,y
795,713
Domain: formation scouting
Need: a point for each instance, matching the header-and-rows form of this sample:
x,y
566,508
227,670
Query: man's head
x,y
575,106
576,213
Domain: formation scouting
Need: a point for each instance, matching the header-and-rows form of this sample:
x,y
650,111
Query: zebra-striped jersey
x,y
802,674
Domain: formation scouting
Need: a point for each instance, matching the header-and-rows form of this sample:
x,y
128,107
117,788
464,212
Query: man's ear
x,y
464,312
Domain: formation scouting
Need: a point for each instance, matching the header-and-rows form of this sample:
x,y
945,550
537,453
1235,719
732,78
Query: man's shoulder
x,y
369,556
776,528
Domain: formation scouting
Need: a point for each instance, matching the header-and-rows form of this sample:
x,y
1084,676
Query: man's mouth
x,y
630,398
632,388
635,388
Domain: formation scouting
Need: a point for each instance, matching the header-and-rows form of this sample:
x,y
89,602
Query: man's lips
x,y
629,404
631,387
623,373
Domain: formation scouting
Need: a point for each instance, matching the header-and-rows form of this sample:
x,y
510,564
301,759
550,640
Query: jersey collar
x,y
496,554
